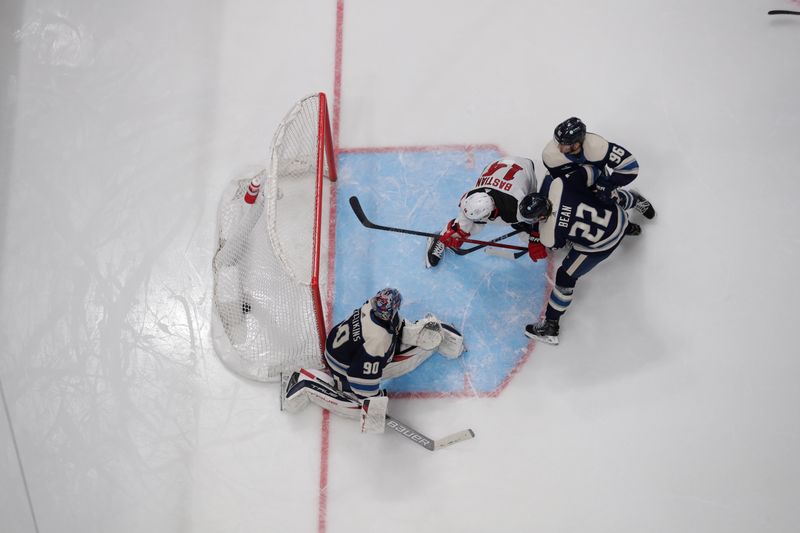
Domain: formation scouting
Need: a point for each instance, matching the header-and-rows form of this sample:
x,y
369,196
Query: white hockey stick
x,y
505,254
426,442
401,427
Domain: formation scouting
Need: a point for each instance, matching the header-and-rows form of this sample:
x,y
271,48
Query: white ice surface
x,y
671,404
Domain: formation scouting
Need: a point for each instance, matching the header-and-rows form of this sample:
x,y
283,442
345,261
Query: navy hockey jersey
x,y
580,217
598,163
359,348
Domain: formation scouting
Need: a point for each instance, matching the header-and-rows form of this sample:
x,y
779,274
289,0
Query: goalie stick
x,y
782,12
392,423
426,442
362,217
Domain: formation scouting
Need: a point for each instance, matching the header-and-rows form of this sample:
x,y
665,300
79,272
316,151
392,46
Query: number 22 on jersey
x,y
600,223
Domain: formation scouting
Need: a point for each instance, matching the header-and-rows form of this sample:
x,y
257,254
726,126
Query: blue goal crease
x,y
488,298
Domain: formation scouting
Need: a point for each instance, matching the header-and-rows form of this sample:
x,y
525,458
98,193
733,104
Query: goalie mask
x,y
386,303
477,206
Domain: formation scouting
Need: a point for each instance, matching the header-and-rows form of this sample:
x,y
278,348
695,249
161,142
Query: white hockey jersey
x,y
507,180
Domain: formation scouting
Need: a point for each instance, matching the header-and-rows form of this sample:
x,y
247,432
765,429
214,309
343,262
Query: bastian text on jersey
x,y
497,183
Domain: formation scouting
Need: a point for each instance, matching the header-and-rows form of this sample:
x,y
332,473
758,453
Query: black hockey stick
x,y
426,442
782,12
362,217
465,251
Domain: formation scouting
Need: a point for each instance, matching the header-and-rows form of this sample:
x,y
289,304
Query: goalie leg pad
x,y
293,399
316,374
452,344
373,414
315,386
405,360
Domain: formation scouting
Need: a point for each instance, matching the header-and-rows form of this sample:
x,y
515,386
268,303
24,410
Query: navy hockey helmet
x,y
386,303
571,131
535,206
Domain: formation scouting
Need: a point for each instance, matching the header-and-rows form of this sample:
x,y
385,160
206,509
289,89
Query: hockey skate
x,y
633,229
435,252
643,205
544,330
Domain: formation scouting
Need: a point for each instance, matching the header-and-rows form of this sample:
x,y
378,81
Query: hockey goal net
x,y
271,267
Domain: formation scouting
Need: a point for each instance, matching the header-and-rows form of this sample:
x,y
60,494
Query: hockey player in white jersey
x,y
494,198
586,159
372,345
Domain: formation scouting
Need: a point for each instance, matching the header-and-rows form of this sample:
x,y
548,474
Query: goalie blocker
x,y
418,341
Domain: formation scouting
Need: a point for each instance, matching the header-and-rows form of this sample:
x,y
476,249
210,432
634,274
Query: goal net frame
x,y
268,316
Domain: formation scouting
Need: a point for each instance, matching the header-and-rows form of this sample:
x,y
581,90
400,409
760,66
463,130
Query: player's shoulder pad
x,y
552,157
595,148
376,338
524,162
547,228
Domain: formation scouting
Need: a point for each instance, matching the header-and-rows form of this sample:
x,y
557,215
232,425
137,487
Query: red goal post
x,y
271,265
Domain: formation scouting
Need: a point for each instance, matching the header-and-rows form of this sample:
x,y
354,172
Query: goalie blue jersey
x,y
359,348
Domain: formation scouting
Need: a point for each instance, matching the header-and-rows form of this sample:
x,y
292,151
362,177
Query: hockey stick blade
x,y
426,442
782,12
453,439
366,222
505,254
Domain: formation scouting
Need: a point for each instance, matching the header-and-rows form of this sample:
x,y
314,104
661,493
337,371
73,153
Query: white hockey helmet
x,y
477,206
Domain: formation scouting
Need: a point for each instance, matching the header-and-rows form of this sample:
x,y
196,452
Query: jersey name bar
x,y
564,216
497,183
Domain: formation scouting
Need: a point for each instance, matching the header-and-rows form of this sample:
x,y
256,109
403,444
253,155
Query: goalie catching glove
x,y
430,334
453,236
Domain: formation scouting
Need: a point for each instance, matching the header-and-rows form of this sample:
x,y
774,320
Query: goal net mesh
x,y
271,265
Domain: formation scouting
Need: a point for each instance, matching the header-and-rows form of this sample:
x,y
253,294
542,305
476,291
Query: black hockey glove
x,y
527,227
604,190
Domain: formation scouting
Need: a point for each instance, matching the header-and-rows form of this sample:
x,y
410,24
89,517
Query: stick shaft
x,y
410,433
465,251
362,217
426,442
